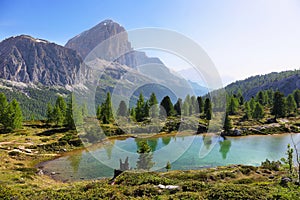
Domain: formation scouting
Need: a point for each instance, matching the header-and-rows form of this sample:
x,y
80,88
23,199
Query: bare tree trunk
x,y
297,158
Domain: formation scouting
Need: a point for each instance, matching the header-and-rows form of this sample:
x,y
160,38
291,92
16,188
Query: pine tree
x,y
247,110
258,111
154,107
146,110
49,113
177,106
194,106
106,115
16,115
260,98
252,104
122,110
61,103
58,117
3,107
232,106
296,94
139,110
168,106
207,109
227,124
200,104
98,112
186,108
291,106
279,105
145,159
73,113
132,113
168,166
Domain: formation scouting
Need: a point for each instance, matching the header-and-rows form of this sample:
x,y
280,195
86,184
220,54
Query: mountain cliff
x,y
29,60
86,41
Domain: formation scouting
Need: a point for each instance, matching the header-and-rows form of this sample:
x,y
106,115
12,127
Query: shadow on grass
x,y
52,131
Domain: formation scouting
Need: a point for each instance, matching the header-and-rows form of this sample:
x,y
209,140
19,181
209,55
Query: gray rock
x,y
30,60
40,172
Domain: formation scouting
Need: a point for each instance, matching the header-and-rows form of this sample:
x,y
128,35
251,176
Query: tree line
x,y
67,114
11,116
145,109
275,101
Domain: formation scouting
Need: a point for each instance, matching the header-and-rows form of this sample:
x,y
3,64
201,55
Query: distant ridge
x,y
285,81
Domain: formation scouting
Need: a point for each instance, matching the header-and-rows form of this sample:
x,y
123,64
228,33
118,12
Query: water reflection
x,y
225,146
166,140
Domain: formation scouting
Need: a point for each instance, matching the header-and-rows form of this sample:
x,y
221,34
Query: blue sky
x,y
242,38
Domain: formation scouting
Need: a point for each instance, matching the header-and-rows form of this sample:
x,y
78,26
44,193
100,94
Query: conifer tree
x,y
49,113
145,159
186,108
247,110
58,117
98,112
207,109
178,106
296,94
73,113
291,106
232,106
3,107
200,104
168,106
154,107
258,112
122,110
15,117
139,110
227,124
279,105
194,106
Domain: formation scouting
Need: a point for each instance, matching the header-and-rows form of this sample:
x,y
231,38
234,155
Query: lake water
x,y
184,152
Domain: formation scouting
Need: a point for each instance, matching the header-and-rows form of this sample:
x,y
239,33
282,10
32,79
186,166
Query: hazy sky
x,y
242,37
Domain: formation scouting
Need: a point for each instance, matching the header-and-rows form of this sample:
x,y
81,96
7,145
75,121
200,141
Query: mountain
x,y
86,41
150,68
285,81
29,60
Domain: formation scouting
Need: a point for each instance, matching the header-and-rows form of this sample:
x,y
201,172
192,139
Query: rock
x,y
40,172
30,60
28,150
169,187
285,180
52,173
237,132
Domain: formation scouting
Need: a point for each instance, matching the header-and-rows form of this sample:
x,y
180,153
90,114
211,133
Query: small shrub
x,y
271,165
193,186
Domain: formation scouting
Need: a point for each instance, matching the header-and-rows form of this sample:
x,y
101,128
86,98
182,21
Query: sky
x,y
243,38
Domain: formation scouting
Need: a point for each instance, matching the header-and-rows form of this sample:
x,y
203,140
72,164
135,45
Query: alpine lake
x,y
184,152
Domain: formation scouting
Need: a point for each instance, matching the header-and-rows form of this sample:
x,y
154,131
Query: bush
x,y
193,186
233,191
274,165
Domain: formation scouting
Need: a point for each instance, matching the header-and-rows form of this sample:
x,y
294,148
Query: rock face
x,y
86,41
29,60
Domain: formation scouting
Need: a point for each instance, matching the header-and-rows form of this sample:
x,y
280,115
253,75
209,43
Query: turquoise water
x,y
184,152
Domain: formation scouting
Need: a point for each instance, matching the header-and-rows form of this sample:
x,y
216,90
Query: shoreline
x,y
41,165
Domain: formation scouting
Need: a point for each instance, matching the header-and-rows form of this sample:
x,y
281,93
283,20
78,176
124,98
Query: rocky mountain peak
x,y
31,60
86,41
